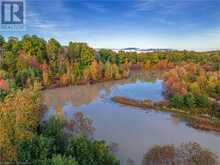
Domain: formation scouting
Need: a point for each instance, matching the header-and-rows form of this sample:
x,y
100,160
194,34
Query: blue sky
x,y
179,24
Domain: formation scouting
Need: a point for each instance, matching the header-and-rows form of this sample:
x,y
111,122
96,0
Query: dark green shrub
x,y
22,76
53,146
53,129
177,101
39,148
90,152
63,160
189,100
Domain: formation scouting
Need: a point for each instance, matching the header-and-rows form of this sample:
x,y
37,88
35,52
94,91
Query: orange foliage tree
x,y
45,70
94,70
19,116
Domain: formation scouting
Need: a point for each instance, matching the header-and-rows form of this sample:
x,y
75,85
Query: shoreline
x,y
197,122
80,82
56,84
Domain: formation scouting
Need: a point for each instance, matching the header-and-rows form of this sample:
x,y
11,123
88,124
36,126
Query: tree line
x,y
191,81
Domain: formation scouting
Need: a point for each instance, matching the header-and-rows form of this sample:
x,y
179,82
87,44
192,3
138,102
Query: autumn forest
x,y
30,65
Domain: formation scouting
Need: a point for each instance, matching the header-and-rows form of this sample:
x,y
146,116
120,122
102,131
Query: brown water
x,y
134,130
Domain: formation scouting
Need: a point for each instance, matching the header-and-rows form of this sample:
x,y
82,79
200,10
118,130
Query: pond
x,y
133,130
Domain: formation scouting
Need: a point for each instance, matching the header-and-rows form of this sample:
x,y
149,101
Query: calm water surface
x,y
134,130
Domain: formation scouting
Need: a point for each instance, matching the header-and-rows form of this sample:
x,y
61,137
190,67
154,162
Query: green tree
x,y
105,55
53,48
189,100
35,46
202,100
2,40
54,129
88,152
80,52
121,57
22,76
218,89
195,89
9,60
177,101
63,160
37,149
74,51
13,45
87,56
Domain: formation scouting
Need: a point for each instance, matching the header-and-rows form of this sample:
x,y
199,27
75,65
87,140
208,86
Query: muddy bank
x,y
140,103
131,102
198,122
202,123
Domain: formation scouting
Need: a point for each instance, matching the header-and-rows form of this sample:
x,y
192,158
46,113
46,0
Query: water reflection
x,y
76,95
79,95
130,162
80,125
132,129
175,120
